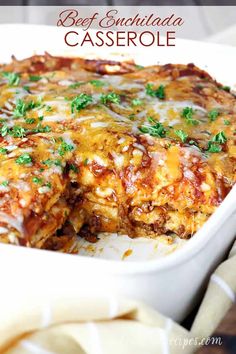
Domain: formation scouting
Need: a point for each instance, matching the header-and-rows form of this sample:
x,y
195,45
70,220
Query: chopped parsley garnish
x,y
226,122
48,108
220,138
17,131
157,129
4,130
110,97
226,88
48,184
5,183
57,162
64,147
76,84
26,88
3,151
213,114
41,118
41,129
73,168
159,92
35,78
182,135
22,107
80,102
97,83
193,142
13,78
24,159
86,161
214,145
48,162
188,113
136,102
30,120
37,180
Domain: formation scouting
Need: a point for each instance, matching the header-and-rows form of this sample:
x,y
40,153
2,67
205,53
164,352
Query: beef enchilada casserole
x,y
89,146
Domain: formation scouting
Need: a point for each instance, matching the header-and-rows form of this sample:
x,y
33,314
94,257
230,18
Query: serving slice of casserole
x,y
91,146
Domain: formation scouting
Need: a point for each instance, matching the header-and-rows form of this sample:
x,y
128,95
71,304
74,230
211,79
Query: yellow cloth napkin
x,y
75,325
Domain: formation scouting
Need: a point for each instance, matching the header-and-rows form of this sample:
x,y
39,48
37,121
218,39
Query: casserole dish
x,y
150,281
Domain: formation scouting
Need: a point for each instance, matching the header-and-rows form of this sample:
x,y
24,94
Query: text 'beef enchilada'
x,y
89,146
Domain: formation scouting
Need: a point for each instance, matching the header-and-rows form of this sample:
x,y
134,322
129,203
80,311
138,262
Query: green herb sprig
x,y
156,129
24,159
215,144
159,92
13,78
213,114
80,102
64,148
181,134
188,113
110,97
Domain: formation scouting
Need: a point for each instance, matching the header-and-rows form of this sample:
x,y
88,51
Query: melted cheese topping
x,y
143,151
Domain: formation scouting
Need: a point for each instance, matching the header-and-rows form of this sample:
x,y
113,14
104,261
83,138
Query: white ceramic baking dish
x,y
173,283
